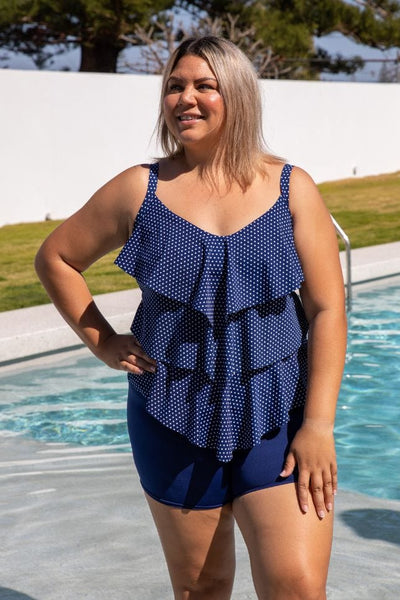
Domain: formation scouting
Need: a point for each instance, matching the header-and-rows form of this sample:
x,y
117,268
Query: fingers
x,y
322,488
123,352
290,464
135,360
313,451
136,365
303,485
334,479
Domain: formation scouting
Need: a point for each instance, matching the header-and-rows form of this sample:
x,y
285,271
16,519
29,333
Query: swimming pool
x,y
368,414
81,401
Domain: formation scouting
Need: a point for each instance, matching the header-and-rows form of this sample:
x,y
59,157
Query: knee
x,y
308,586
303,585
205,586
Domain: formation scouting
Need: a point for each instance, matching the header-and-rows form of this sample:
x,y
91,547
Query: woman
x,y
233,379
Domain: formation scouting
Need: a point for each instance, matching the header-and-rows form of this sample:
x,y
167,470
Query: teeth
x,y
189,118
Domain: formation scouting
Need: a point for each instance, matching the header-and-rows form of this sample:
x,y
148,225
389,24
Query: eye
x,y
174,88
206,86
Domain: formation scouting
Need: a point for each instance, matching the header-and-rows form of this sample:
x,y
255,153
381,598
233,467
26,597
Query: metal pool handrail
x,y
346,240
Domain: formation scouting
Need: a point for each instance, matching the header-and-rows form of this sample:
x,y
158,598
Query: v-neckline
x,y
216,235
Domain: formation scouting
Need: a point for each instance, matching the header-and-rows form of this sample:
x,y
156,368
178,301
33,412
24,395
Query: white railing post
x,y
346,240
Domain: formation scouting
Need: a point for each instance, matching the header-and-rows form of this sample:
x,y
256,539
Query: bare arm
x,y
322,294
102,225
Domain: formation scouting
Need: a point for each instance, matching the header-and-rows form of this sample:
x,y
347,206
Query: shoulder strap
x,y
153,180
285,178
150,192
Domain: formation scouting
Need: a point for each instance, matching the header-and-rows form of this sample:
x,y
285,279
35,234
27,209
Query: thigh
x,y
199,549
289,550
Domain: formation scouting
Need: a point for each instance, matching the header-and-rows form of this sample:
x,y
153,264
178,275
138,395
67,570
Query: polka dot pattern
x,y
221,316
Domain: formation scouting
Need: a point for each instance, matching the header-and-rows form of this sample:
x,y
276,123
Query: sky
x,y
338,43
335,43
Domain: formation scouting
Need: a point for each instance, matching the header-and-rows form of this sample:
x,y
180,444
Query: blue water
x,y
81,401
368,414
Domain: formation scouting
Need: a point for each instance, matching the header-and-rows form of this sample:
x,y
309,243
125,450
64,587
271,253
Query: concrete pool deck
x,y
73,521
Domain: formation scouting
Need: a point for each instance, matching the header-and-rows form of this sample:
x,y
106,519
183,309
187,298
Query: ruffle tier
x,y
232,273
227,414
247,341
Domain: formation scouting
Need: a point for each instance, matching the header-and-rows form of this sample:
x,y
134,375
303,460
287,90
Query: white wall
x,y
330,128
62,135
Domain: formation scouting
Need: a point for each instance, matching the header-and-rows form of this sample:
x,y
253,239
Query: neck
x,y
206,171
200,159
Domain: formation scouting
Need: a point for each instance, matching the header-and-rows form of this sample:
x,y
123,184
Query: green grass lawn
x,y
19,285
368,209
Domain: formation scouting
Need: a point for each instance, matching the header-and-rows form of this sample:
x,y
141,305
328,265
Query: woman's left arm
x,y
322,294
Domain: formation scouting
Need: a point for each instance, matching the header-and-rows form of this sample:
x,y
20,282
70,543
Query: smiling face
x,y
193,106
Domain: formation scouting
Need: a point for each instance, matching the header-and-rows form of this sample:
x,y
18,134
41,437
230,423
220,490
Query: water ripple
x,y
368,414
82,402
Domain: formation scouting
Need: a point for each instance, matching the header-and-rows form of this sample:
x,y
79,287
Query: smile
x,y
190,117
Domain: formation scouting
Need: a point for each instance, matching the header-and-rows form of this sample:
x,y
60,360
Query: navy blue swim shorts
x,y
175,472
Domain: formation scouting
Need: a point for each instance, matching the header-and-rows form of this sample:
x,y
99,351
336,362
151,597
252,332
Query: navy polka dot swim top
x,y
221,316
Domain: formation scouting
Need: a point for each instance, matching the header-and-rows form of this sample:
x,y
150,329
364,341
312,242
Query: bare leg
x,y
289,551
199,549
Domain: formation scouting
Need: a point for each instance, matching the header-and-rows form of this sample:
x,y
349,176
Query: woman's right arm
x,y
103,224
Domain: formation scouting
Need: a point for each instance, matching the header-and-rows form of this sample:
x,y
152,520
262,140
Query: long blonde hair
x,y
241,150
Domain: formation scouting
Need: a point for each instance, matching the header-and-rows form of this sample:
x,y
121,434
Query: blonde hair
x,y
241,150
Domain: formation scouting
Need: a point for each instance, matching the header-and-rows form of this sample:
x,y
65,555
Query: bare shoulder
x,y
118,201
304,195
137,175
127,189
105,221
316,245
301,183
313,229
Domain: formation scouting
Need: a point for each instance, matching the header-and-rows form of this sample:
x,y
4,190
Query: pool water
x,y
81,401
368,413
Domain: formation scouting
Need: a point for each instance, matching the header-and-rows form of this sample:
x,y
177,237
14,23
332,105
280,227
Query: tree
x,y
278,35
278,48
379,25
289,27
160,39
42,28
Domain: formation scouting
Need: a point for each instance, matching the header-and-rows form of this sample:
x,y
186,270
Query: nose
x,y
187,96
